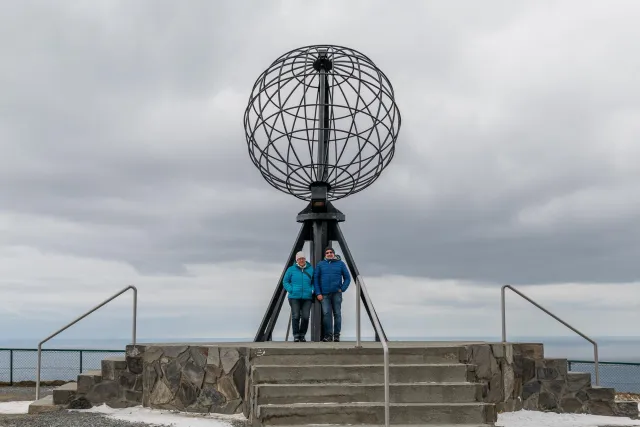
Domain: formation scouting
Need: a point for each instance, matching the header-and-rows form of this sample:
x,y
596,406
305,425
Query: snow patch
x,y
549,419
164,417
20,407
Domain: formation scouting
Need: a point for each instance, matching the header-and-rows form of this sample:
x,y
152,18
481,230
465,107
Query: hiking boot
x,y
303,339
296,339
328,338
336,338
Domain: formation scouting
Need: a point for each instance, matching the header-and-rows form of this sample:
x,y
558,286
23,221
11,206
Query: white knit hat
x,y
300,255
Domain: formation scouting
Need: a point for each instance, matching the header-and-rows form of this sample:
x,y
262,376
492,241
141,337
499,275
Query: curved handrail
x,y
135,316
378,327
504,325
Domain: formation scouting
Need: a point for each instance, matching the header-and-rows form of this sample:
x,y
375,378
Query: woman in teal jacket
x,y
298,282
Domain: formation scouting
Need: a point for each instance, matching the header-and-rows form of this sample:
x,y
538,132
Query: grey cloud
x,y
104,124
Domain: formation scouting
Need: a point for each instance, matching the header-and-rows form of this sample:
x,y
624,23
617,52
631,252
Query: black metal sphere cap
x,y
322,114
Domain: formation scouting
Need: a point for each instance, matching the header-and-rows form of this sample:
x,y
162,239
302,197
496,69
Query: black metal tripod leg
x,y
354,270
265,332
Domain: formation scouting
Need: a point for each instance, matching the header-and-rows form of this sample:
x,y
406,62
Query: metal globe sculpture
x,y
321,124
322,115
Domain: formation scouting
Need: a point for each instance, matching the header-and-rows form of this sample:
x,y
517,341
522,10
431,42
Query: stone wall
x,y
518,376
212,379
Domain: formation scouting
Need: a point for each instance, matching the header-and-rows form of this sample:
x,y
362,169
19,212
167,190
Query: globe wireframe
x,y
322,114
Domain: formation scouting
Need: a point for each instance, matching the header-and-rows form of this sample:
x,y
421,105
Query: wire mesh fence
x,y
20,365
622,376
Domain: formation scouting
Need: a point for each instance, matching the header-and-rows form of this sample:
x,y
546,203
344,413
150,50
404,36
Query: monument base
x,y
336,383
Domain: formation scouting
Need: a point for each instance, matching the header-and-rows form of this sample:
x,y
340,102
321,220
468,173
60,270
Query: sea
x,y
619,356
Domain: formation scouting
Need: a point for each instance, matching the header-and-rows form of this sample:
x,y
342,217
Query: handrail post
x,y
11,367
504,326
358,297
385,347
504,315
135,321
135,312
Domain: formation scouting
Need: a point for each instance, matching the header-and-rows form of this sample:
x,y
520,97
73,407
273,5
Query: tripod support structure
x,y
320,228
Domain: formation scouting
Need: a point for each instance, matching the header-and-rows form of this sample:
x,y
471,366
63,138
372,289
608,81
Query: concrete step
x,y
44,405
344,393
87,380
360,374
112,366
349,356
373,413
64,394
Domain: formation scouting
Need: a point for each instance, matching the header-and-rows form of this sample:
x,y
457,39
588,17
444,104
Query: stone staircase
x,y
443,384
428,386
97,387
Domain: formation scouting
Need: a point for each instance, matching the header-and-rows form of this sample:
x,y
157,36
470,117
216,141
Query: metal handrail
x,y
504,326
135,316
378,327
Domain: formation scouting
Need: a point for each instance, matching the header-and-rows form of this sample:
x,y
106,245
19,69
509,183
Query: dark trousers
x,y
332,313
300,311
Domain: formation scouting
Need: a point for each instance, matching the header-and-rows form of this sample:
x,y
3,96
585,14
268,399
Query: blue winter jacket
x,y
329,276
298,284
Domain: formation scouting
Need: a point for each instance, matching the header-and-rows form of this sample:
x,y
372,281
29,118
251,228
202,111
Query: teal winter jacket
x,y
297,281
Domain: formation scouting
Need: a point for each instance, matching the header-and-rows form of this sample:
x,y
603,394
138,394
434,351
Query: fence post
x,y
569,365
11,367
80,361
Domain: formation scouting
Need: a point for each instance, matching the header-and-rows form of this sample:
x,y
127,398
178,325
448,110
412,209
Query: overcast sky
x,y
123,161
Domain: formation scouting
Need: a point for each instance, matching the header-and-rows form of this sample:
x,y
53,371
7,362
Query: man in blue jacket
x,y
298,284
330,280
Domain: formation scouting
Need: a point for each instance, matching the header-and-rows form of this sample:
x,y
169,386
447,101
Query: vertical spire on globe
x,y
322,117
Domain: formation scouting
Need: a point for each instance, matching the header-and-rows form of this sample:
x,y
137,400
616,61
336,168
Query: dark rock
x,y
528,369
134,364
187,393
86,382
530,388
172,374
80,403
547,401
133,396
582,396
128,380
627,409
571,405
193,374
199,356
531,402
577,381
172,351
546,373
184,357
210,396
149,378
601,393
104,392
555,387
227,388
599,407
240,377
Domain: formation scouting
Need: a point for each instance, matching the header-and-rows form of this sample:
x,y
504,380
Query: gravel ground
x,y
13,394
64,419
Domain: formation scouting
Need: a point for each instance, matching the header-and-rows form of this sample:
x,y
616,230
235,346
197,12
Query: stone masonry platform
x,y
286,383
